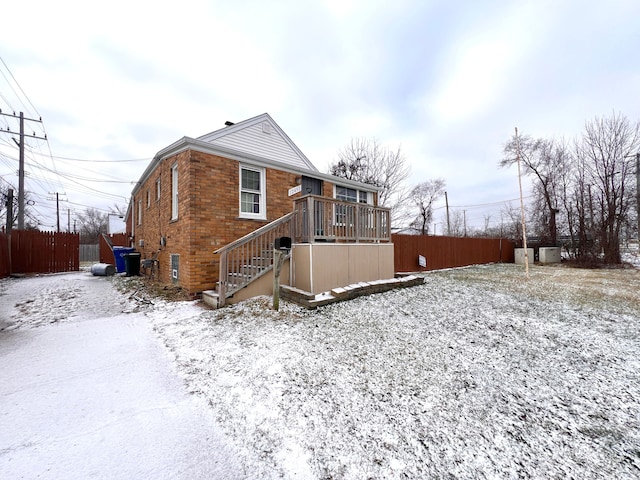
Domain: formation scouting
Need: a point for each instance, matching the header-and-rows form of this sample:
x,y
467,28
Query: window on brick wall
x,y
158,189
139,212
174,192
148,198
352,195
345,213
252,192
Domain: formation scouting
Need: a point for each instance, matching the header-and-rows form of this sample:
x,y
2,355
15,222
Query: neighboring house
x,y
199,196
116,223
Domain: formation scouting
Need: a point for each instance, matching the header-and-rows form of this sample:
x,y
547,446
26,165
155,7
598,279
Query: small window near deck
x,y
252,193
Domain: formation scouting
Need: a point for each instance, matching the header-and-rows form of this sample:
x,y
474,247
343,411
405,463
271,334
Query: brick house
x,y
206,210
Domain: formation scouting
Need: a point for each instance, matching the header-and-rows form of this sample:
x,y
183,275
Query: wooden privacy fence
x,y
33,251
109,241
4,255
89,253
445,252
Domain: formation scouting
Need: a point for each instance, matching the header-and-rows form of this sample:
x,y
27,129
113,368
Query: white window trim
x,y
345,215
262,215
139,211
358,192
148,198
158,189
174,192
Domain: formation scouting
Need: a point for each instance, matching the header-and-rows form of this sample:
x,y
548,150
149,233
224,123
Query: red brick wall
x,y
208,216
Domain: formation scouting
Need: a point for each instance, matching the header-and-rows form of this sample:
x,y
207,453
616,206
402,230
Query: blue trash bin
x,y
119,253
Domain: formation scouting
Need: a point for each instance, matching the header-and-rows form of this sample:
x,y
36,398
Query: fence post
x,y
311,219
222,279
9,256
9,223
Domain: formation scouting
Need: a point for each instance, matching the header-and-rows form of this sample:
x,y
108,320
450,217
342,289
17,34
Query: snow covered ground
x,y
87,391
479,373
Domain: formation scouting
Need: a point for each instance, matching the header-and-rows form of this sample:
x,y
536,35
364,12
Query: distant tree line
x,y
583,190
92,223
366,160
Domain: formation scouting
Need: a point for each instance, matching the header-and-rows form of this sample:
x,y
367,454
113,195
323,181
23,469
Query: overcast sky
x,y
446,80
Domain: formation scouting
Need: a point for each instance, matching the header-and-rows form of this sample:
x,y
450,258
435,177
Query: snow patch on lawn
x,y
478,373
57,298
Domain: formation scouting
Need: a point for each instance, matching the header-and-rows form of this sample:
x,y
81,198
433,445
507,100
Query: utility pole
x,y
9,226
637,155
20,144
524,227
9,206
464,216
57,207
69,220
446,201
638,194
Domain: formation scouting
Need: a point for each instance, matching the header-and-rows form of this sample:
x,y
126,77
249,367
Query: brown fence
x,y
445,252
107,241
33,251
4,255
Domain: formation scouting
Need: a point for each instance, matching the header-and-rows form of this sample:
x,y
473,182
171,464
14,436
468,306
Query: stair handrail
x,y
263,229
224,290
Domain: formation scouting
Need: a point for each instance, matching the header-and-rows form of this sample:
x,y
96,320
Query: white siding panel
x,y
267,145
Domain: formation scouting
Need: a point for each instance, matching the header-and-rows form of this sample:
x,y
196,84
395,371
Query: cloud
x,y
447,81
482,64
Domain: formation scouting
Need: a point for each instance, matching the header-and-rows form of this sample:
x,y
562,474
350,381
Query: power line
x,y
103,161
16,82
481,204
55,184
78,177
21,175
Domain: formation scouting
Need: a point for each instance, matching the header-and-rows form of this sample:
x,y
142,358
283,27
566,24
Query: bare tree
x,y
118,209
547,161
512,221
92,223
423,196
365,160
606,149
456,223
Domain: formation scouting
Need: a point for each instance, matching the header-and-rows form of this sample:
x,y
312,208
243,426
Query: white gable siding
x,y
253,140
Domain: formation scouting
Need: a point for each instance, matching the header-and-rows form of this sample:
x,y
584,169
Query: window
x,y
346,194
174,192
252,194
139,212
352,195
148,198
158,189
345,214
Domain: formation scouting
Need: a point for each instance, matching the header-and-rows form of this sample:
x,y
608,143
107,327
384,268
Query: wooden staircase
x,y
248,258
